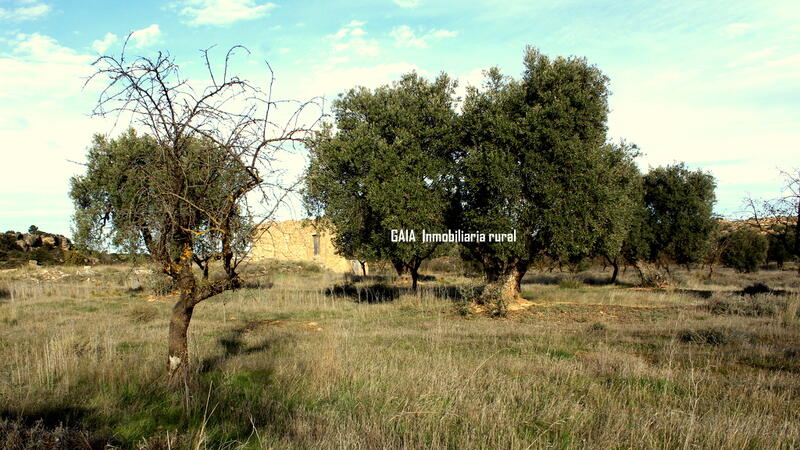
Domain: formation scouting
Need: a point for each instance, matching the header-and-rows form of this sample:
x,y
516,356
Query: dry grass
x,y
291,367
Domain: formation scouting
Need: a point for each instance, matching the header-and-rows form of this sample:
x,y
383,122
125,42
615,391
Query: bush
x,y
143,313
707,337
745,250
749,306
597,327
160,284
492,300
73,258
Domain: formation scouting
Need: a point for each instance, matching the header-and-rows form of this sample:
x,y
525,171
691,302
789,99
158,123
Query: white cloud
x,y
41,48
146,36
407,3
223,12
736,29
44,118
101,45
350,40
32,10
404,36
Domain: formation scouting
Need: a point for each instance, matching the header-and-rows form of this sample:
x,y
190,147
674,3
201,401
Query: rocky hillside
x,y
44,248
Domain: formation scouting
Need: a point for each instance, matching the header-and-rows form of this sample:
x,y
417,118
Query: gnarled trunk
x,y
503,286
178,339
650,274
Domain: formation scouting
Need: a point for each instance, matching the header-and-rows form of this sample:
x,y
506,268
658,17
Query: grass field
x,y
290,365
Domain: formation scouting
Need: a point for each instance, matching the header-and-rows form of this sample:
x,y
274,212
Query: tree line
x,y
529,154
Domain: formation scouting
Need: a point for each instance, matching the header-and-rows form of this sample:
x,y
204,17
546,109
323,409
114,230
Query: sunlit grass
x,y
291,367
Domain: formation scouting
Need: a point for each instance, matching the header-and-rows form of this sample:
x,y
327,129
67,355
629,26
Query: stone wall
x,y
293,240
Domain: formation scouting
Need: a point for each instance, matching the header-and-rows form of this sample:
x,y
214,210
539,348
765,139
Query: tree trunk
x,y
363,267
797,236
503,287
400,267
178,340
615,265
650,274
414,270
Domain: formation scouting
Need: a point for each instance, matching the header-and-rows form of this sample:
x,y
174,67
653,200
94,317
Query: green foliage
x,y
781,244
536,160
74,258
493,301
121,198
159,284
33,229
745,250
678,220
388,166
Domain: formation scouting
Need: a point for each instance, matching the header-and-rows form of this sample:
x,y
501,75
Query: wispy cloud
x,y
145,37
351,40
736,29
404,36
407,3
27,10
223,12
101,45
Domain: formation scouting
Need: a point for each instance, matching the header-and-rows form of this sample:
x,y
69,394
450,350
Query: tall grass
x,y
295,367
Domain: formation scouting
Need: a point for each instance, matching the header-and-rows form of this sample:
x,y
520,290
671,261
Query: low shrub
x,y
597,327
710,336
492,300
143,313
73,258
159,284
749,307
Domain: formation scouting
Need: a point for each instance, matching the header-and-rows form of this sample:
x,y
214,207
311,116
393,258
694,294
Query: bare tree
x,y
210,170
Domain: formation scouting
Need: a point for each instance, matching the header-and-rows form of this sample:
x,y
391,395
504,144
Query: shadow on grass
x,y
375,293
139,410
232,344
555,279
51,428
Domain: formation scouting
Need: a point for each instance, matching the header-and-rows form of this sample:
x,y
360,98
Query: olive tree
x,y
385,164
537,161
679,213
202,172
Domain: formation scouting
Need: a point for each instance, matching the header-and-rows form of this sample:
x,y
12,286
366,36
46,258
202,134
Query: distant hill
x,y
18,248
765,225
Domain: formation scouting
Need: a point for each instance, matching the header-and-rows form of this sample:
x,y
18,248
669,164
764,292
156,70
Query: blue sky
x,y
715,84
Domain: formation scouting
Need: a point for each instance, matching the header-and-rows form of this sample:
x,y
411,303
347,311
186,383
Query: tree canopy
x,y
679,213
387,165
180,190
537,160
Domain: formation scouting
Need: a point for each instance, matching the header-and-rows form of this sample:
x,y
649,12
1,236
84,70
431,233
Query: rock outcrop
x,y
28,242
